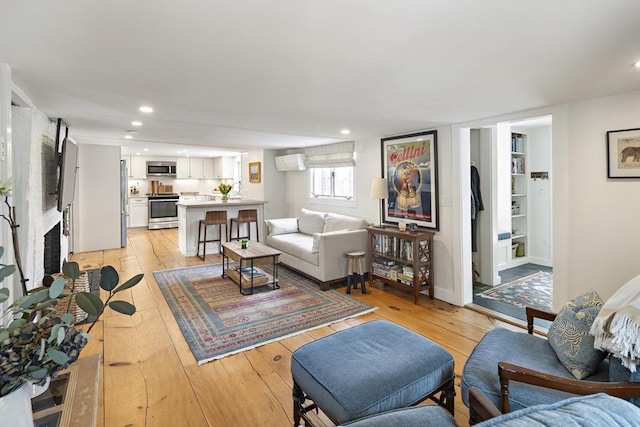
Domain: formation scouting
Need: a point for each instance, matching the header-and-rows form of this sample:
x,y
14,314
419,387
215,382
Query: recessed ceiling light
x,y
128,137
146,149
637,64
136,123
345,131
137,154
146,109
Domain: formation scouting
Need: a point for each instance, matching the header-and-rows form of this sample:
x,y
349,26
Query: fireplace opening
x,y
52,250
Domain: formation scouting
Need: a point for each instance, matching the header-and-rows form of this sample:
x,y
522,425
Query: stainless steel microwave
x,y
161,169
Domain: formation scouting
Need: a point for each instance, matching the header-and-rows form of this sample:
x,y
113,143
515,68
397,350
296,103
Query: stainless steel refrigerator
x,y
124,203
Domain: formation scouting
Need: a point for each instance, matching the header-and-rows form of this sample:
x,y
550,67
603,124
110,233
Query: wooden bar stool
x,y
245,216
218,218
355,270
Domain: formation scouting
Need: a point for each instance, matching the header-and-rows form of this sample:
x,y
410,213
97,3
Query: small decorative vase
x,y
225,197
15,407
37,390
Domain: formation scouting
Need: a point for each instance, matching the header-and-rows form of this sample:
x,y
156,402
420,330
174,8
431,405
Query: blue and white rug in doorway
x,y
535,290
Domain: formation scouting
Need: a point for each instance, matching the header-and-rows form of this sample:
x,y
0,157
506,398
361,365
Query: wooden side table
x,y
72,398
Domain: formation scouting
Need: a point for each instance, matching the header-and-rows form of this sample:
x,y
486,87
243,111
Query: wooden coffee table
x,y
248,261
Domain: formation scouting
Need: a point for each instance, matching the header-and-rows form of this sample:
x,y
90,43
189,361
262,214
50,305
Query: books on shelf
x,y
517,143
259,276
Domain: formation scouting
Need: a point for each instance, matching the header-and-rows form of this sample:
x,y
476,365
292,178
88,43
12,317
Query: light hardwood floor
x,y
150,377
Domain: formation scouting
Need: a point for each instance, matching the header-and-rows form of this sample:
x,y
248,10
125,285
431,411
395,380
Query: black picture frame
x,y
410,167
623,153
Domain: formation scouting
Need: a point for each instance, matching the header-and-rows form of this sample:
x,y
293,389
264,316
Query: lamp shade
x,y
379,189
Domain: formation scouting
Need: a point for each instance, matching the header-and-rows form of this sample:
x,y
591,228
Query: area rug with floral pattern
x,y
217,321
534,290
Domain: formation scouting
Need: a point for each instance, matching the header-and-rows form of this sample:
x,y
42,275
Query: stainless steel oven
x,y
163,212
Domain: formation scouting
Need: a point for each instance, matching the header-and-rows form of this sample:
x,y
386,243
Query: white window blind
x,y
330,156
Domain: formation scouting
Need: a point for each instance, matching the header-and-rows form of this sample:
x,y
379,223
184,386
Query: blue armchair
x,y
515,370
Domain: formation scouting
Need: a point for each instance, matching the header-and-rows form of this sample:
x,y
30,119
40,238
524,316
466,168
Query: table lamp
x,y
380,191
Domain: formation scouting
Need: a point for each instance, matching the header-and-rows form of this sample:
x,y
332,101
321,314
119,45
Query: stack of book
x,y
259,276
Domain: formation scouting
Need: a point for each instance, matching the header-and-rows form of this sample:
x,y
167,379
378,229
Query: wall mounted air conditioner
x,y
290,162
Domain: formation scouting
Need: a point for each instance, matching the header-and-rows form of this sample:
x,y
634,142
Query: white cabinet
x,y
223,167
136,167
208,168
138,212
189,168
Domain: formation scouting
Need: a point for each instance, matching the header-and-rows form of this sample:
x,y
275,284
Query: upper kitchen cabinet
x,y
207,168
189,168
223,167
136,167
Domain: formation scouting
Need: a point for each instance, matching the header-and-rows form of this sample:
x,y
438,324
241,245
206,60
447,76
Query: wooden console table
x,y
72,397
402,259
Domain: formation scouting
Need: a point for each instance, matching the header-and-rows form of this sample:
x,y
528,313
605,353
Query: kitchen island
x,y
191,212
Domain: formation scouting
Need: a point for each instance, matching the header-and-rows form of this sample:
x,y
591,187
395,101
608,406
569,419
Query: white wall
x,y
368,166
603,215
539,195
97,216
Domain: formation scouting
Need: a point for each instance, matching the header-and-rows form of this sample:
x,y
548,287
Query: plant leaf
x,y
71,269
108,278
38,373
89,302
33,299
62,332
57,287
6,271
129,283
57,356
67,318
4,294
122,307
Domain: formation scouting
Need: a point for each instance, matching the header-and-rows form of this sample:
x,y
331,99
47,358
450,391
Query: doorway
x,y
512,236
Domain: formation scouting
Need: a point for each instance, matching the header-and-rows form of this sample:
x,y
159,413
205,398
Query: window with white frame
x,y
331,171
334,183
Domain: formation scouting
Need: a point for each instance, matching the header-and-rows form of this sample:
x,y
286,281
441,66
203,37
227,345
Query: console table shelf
x,y
402,259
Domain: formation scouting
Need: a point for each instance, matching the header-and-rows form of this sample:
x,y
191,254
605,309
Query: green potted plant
x,y
37,340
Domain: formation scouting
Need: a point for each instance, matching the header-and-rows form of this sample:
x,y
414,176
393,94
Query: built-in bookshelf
x,y
402,259
518,196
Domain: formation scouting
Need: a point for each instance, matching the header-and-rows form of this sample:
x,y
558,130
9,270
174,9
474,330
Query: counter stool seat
x,y
245,216
218,218
355,270
369,369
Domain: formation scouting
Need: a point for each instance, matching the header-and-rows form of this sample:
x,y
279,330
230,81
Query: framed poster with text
x,y
410,166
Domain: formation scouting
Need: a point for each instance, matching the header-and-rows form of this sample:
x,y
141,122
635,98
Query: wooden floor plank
x,y
150,377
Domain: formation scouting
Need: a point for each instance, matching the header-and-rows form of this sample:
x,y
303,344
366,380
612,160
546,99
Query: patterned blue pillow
x,y
569,335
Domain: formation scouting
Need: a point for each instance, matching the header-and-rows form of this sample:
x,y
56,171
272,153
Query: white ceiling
x,y
243,74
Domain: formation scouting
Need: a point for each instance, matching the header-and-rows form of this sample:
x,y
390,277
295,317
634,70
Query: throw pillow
x,y
569,335
310,222
337,222
282,226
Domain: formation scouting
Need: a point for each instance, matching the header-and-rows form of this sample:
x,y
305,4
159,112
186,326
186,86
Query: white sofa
x,y
314,243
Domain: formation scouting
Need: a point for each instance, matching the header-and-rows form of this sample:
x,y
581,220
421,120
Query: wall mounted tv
x,y
68,173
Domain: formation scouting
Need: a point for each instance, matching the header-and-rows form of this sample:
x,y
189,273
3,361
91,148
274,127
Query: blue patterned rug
x,y
217,321
535,290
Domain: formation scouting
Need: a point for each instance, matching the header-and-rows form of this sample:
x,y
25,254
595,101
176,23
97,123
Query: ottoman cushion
x,y
370,368
415,416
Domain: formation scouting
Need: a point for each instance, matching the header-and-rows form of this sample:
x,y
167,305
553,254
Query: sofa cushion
x,y
593,410
519,348
310,222
296,244
282,226
335,222
569,335
317,236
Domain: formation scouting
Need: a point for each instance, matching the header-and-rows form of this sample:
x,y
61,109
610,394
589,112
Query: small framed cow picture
x,y
623,153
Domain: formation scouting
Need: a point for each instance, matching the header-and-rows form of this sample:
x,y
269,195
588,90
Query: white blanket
x,y
617,327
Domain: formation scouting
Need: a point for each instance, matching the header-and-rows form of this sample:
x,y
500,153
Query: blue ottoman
x,y
368,369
